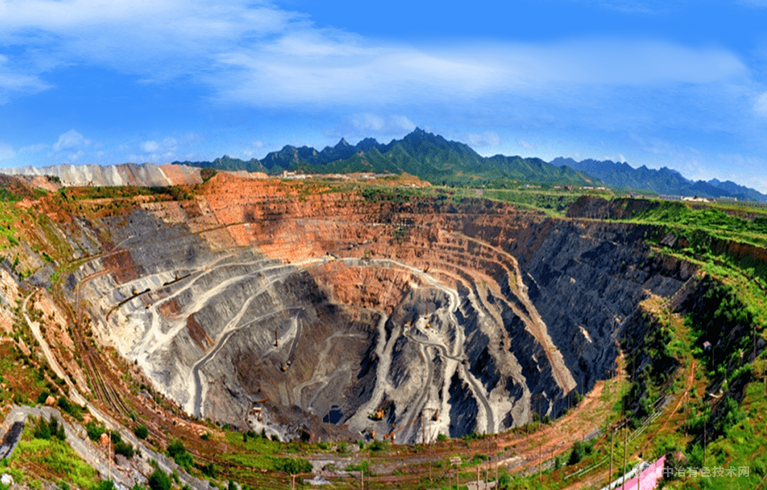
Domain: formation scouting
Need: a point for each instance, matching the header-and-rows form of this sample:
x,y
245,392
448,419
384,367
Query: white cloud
x,y
484,140
365,123
75,156
6,151
257,53
14,81
159,39
150,146
526,145
34,148
71,140
760,107
253,151
381,74
156,151
168,145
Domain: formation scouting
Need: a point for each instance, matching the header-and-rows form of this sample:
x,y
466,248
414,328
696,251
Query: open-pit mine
x,y
348,313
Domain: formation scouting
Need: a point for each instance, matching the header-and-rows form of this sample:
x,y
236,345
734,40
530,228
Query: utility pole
x,y
704,443
540,462
625,453
612,434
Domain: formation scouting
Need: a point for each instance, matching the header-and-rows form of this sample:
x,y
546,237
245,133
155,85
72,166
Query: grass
x,y
53,460
260,453
748,225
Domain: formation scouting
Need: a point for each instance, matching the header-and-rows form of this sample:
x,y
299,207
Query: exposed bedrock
x,y
345,316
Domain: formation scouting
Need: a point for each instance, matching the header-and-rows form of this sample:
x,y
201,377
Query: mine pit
x,y
346,316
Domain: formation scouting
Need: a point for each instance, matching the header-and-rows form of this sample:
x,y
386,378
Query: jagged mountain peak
x,y
426,155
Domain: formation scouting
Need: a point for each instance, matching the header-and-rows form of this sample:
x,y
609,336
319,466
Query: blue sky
x,y
680,83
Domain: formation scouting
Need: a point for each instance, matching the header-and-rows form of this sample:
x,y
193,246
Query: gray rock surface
x,y
504,314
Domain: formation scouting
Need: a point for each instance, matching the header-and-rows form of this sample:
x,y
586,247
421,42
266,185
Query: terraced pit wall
x,y
262,305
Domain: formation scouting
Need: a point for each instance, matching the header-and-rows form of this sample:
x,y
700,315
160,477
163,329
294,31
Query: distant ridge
x,y
425,155
662,181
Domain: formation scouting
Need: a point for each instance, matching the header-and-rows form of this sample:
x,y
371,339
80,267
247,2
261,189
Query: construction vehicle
x,y
378,414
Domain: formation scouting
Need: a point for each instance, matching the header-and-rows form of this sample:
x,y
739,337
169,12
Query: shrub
x,y
209,470
94,430
43,396
159,481
581,449
76,411
177,451
48,429
292,465
141,432
124,449
377,446
105,485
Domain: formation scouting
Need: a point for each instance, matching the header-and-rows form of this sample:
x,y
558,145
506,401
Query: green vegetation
x,y
178,452
363,466
72,409
580,450
94,430
142,432
208,173
50,457
158,480
105,485
121,447
25,377
46,430
258,452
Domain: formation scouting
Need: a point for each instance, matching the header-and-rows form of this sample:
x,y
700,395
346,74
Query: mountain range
x,y
662,181
425,155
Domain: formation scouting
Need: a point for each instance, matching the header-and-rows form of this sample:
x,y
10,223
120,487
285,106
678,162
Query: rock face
x,y
261,305
147,174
